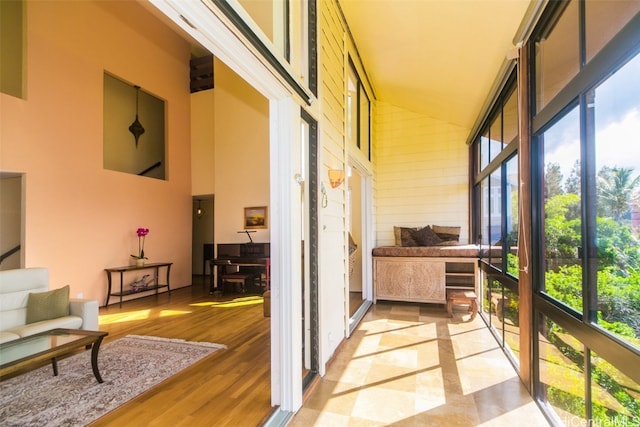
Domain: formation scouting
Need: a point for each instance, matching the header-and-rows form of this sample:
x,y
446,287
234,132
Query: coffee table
x,y
28,353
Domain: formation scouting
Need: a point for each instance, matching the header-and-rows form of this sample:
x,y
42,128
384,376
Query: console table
x,y
156,266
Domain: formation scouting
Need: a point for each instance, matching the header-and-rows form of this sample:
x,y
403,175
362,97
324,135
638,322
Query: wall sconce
x,y
336,177
200,212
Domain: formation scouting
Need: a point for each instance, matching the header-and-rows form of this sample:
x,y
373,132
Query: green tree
x,y
617,247
616,191
572,185
562,226
552,180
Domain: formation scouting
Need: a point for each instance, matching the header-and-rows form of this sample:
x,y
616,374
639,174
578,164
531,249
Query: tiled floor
x,y
411,365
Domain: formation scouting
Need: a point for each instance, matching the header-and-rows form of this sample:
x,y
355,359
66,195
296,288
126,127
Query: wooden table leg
x,y
94,359
474,308
54,365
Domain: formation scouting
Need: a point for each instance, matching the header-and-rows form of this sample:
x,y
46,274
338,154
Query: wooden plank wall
x,y
421,172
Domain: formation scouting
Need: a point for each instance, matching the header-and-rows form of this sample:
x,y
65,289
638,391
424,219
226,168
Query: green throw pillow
x,y
48,305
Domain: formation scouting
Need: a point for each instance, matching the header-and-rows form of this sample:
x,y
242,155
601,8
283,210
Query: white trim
x,y
212,31
367,224
286,330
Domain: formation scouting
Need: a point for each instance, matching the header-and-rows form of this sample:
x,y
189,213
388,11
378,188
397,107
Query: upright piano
x,y
246,258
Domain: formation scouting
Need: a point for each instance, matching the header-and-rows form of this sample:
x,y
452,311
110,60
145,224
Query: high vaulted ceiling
x,y
436,57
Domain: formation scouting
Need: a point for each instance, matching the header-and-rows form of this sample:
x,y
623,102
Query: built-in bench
x,y
424,273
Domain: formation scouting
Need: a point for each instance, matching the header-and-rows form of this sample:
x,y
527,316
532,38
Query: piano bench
x,y
237,278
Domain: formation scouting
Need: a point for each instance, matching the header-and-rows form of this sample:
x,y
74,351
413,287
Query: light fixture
x,y
336,177
200,212
136,127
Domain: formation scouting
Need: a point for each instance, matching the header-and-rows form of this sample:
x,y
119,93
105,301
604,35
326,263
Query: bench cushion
x,y
464,251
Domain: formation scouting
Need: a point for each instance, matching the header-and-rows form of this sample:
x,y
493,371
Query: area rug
x,y
129,366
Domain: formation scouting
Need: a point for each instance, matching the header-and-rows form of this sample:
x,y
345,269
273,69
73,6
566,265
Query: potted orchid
x,y
141,232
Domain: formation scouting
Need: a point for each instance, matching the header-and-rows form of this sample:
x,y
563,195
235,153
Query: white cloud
x,y
619,143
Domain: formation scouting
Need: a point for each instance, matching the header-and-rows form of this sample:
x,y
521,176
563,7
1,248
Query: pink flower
x,y
141,232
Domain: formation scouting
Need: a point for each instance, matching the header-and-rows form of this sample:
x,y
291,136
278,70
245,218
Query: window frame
x,y
620,49
360,113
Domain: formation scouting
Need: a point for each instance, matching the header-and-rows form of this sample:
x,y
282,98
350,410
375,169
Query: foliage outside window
x,y
614,219
562,212
561,372
512,217
561,358
617,191
501,303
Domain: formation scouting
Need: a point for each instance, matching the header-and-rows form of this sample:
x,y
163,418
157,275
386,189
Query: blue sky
x,y
617,112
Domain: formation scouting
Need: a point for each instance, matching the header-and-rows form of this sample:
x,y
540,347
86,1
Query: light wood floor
x,y
231,387
405,365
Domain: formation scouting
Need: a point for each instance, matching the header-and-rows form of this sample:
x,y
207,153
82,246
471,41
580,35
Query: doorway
x,y
11,253
202,235
359,279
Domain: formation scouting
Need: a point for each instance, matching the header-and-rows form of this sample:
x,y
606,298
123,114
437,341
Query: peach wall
x,y
202,142
241,155
80,218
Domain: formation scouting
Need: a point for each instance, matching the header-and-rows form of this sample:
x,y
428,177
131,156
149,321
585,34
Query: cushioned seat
x,y
28,307
237,278
8,336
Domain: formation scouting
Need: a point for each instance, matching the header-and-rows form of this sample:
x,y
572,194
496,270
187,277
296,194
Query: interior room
x,y
276,213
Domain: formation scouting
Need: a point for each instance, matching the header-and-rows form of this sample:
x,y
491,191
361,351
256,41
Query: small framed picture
x,y
255,217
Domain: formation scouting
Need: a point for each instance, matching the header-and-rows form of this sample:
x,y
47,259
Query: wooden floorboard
x,y
230,387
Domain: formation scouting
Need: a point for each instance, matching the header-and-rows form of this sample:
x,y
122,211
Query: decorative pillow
x,y
447,233
397,234
425,237
48,305
407,237
352,245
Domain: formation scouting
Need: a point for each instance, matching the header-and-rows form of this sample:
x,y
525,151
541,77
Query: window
x,y
561,372
511,212
11,47
562,212
358,113
364,139
586,233
496,203
125,149
496,179
557,55
603,20
616,119
273,19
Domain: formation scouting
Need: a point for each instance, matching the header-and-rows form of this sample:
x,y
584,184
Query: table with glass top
x,y
28,353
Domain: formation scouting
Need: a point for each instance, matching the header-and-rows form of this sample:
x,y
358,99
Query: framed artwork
x,y
255,217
